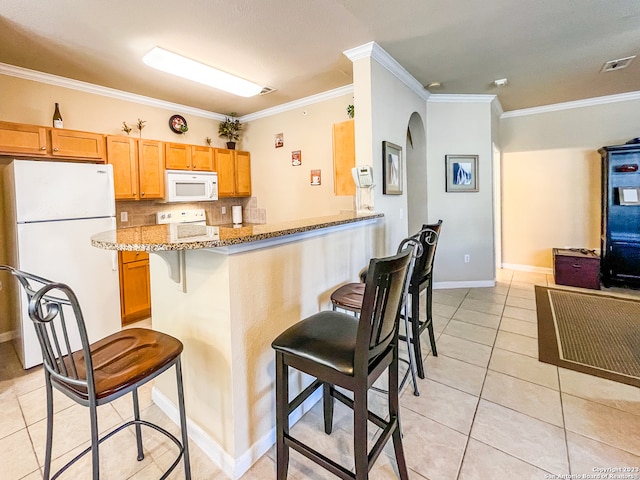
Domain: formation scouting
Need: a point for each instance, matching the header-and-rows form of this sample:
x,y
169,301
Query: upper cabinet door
x,y
177,156
202,158
74,144
225,163
122,154
243,174
344,158
16,138
151,169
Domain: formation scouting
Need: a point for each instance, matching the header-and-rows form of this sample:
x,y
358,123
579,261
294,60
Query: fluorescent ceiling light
x,y
199,72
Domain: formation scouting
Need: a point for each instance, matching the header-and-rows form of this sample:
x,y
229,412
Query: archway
x,y
416,162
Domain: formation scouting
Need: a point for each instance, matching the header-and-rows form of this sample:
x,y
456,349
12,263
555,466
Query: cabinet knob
x,y
55,149
142,193
43,148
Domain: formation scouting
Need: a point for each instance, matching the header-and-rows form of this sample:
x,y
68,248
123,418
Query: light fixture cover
x,y
180,66
501,82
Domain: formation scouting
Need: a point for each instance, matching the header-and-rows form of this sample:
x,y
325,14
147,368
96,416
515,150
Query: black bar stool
x,y
349,297
422,279
98,373
341,350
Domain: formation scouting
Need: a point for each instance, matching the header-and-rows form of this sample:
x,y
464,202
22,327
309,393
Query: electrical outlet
x,y
224,210
124,217
467,258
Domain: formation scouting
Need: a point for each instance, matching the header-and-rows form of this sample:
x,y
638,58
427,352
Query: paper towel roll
x,y
236,213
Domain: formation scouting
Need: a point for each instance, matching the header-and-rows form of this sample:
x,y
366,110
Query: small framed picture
x,y
461,173
391,169
316,177
296,158
279,140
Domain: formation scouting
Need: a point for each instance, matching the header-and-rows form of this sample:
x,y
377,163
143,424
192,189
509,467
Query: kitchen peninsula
x,y
226,293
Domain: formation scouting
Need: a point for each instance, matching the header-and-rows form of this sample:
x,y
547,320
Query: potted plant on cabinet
x,y
230,129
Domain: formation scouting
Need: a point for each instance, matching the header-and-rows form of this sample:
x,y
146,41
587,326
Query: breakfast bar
x,y
226,293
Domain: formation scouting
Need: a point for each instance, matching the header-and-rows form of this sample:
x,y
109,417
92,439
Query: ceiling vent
x,y
619,64
266,90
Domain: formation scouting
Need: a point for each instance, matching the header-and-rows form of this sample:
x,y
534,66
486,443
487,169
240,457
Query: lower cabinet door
x,y
623,263
135,291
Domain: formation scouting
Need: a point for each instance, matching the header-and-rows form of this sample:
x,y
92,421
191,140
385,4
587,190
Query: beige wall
x,y
282,189
551,178
388,105
459,127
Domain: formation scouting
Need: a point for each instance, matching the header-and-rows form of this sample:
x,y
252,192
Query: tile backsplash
x,y
143,212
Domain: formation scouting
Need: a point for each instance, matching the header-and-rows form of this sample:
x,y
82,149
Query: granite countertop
x,y
154,238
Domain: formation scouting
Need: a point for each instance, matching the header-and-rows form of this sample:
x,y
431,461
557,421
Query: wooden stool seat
x,y
124,359
348,297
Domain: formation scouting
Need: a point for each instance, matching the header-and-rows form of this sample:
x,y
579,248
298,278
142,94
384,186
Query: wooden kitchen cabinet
x,y
202,159
180,156
234,173
57,143
344,158
20,139
138,167
75,144
177,156
135,291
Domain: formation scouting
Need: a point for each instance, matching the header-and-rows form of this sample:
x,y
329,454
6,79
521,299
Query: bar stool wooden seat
x,y
341,350
100,372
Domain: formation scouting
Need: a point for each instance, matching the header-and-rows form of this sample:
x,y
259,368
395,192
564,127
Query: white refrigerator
x,y
53,210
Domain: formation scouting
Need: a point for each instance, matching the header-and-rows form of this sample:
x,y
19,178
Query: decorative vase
x,y
231,145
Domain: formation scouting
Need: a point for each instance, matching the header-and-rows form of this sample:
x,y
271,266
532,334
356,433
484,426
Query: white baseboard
x,y
464,284
527,268
237,467
8,336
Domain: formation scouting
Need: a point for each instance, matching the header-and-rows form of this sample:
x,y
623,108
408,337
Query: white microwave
x,y
188,186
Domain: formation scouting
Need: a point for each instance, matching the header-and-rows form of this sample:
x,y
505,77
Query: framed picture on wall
x,y
391,169
461,173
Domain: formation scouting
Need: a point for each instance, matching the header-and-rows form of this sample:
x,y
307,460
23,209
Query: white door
x,y
58,190
61,251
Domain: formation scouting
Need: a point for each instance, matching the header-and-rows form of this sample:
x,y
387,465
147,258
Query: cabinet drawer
x,y
134,256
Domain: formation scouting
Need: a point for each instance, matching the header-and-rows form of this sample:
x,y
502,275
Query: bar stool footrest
x,y
120,428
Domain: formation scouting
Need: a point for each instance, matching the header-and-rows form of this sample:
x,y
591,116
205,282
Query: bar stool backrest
x,y
428,236
384,291
58,321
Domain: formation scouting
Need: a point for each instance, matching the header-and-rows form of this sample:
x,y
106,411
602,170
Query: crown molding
x,y
303,102
377,53
27,74
588,102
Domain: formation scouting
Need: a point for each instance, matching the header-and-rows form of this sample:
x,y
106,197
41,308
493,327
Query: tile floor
x,y
487,410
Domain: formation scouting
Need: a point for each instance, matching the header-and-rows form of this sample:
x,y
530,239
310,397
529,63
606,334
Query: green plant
x,y
126,128
230,128
350,111
140,126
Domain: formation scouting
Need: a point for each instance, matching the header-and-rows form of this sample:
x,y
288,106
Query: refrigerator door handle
x,y
114,260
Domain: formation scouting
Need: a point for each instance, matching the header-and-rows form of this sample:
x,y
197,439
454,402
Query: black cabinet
x,y
620,241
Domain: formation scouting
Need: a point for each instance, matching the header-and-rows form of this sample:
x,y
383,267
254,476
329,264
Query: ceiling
x,y
550,50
